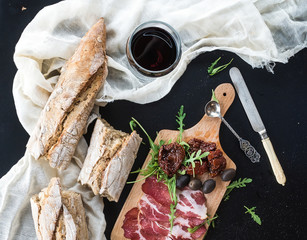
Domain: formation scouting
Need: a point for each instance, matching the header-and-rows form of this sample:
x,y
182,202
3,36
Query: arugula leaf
x,y
236,184
172,215
136,171
254,216
226,197
132,125
207,220
212,71
185,145
212,221
193,157
213,97
183,172
179,119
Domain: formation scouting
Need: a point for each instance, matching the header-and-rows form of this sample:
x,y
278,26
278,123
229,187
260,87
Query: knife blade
x,y
256,122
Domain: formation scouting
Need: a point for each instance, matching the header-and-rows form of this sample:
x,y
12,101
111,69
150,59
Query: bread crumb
x,y
23,8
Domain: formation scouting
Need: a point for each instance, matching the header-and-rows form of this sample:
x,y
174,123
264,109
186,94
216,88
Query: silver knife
x,y
256,122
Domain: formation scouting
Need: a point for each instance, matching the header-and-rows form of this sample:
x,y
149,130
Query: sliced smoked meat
x,y
150,220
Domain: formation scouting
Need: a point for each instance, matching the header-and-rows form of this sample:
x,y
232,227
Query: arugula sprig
x,y
207,220
236,184
254,216
179,119
193,157
212,70
172,215
214,97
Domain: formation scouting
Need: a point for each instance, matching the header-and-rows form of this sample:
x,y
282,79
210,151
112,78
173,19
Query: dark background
x,y
281,101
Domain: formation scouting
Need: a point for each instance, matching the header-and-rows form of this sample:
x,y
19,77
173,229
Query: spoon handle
x,y
230,128
245,145
249,150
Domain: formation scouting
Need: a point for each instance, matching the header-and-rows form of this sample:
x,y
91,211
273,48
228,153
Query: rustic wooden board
x,y
206,129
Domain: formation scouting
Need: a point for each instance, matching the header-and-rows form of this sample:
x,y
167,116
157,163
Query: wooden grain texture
x,y
206,129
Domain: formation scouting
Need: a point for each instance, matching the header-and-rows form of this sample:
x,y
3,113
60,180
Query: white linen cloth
x,y
260,32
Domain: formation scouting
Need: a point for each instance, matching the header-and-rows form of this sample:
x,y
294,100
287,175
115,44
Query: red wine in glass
x,y
154,49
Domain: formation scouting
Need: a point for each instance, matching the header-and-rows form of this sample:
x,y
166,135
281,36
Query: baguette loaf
x,y
109,160
63,119
58,214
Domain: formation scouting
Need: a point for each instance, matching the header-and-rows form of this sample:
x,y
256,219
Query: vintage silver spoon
x,y
213,109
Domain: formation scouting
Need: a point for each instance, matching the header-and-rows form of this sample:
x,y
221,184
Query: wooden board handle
x,y
277,169
225,94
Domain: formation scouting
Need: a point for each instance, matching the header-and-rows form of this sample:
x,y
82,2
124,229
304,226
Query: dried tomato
x,y
197,144
199,168
170,158
217,163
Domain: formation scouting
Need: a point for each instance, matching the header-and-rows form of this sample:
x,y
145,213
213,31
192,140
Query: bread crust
x,y
105,170
117,172
58,214
63,119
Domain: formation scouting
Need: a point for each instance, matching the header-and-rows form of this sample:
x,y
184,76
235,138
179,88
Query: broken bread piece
x,y
64,117
58,214
109,160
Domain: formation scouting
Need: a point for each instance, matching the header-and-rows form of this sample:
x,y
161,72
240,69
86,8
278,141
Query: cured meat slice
x,y
157,190
154,216
150,219
191,211
131,226
137,227
152,227
182,233
188,222
191,204
199,232
153,210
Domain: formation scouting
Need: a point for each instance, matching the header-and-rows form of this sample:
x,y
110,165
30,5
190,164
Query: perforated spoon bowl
x,y
213,109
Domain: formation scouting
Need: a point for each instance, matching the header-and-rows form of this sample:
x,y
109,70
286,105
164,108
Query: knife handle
x,y
277,169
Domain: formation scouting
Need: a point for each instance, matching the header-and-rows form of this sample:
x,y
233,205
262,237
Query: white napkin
x,y
260,32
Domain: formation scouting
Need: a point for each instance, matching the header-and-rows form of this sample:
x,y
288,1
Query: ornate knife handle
x,y
249,150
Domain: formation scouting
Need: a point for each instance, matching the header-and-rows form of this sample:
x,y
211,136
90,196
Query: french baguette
x,y
109,160
63,119
58,214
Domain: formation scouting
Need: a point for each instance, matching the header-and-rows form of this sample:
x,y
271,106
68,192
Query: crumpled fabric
x,y
261,32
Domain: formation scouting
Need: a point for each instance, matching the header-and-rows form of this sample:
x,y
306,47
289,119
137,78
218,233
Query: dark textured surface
x,y
281,101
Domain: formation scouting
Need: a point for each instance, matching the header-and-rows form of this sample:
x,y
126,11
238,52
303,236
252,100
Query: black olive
x,y
195,184
228,174
208,186
182,181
